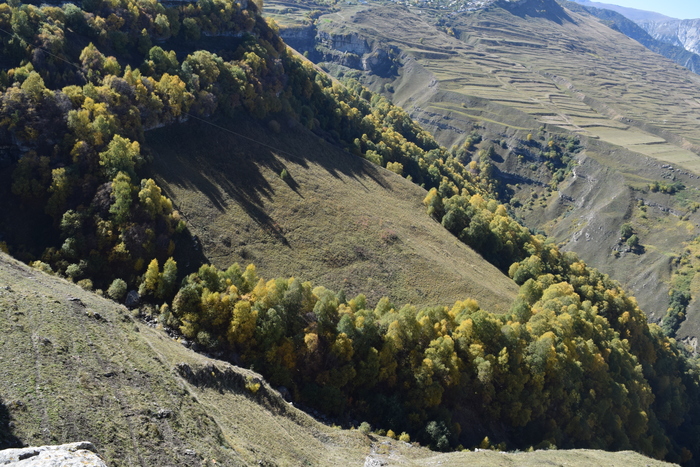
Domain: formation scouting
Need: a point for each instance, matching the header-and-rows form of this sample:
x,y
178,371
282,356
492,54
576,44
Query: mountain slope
x,y
513,73
144,399
139,396
336,219
682,33
631,13
618,21
573,342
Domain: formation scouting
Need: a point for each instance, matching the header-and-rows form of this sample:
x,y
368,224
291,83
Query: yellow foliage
x,y
342,348
311,342
150,278
395,167
242,325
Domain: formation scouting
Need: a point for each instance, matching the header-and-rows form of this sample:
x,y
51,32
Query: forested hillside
x,y
144,399
573,363
511,73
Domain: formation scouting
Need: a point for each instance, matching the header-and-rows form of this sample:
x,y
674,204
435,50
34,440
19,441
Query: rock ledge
x,y
65,455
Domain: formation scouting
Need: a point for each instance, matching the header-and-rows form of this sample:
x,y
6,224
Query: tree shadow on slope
x,y
225,162
7,439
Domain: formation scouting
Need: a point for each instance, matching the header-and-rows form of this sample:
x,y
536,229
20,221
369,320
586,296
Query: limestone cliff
x,y
65,455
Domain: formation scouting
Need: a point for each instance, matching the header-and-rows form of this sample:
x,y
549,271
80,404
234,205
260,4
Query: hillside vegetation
x,y
512,73
144,399
139,396
571,363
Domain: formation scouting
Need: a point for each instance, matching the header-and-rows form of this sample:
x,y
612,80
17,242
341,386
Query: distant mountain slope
x,y
338,219
509,71
632,13
671,49
673,38
682,33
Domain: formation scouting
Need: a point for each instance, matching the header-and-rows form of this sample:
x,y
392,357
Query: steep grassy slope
x,y
507,72
573,364
335,219
78,367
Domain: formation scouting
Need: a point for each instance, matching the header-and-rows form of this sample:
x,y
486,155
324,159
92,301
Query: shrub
x,y
252,385
41,266
626,231
365,428
633,241
117,290
73,271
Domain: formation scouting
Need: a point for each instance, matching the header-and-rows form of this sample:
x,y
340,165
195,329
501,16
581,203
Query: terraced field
x,y
546,70
558,66
508,71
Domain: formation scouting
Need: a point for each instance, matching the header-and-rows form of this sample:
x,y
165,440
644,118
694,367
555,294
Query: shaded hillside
x,y
144,399
510,74
335,219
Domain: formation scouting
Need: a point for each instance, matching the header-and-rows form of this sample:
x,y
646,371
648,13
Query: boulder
x,y
65,455
132,299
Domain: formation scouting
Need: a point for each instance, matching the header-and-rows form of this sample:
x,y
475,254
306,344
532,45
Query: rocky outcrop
x,y
65,455
301,39
350,50
671,49
682,33
346,43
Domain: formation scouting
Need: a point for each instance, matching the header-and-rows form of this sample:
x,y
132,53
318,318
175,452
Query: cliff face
x,y
347,49
683,33
669,45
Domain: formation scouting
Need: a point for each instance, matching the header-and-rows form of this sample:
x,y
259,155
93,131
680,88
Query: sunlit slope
x,y
335,218
576,457
553,65
78,367
506,74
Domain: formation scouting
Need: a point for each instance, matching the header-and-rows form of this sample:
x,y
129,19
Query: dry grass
x,y
74,366
506,74
338,220
78,367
